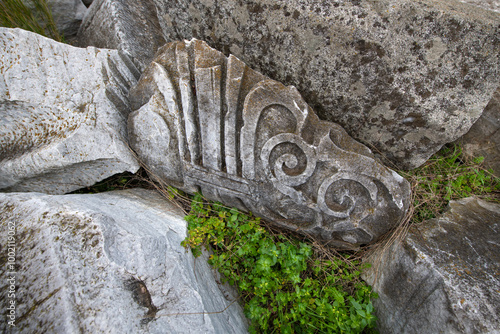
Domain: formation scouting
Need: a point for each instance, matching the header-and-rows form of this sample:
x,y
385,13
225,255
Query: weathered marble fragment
x,y
444,277
483,138
130,26
404,76
206,122
63,113
107,263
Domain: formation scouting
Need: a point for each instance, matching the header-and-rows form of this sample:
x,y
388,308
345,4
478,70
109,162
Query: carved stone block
x,y
208,123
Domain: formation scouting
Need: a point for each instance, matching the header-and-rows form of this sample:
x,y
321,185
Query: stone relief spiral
x,y
365,181
206,122
276,172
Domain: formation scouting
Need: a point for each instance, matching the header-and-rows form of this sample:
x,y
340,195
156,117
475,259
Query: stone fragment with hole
x,y
108,263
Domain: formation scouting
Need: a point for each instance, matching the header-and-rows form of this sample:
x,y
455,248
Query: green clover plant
x,y
285,289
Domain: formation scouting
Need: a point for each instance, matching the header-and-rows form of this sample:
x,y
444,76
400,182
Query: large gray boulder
x,y
63,113
106,263
202,121
404,76
130,26
443,278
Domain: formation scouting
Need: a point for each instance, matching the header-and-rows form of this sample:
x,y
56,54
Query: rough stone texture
x,y
127,25
483,138
493,5
63,113
68,15
405,76
108,263
444,277
206,122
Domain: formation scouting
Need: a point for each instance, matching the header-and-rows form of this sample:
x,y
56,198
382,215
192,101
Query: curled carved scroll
x,y
208,123
288,160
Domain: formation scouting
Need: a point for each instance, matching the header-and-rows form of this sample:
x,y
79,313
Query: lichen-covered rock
x,y
493,5
63,113
130,26
405,76
106,263
443,278
206,122
483,138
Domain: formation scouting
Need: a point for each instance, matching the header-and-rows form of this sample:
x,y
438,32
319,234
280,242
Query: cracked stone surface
x,y
206,122
444,277
63,113
107,263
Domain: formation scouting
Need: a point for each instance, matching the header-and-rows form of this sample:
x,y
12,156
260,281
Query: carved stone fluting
x,y
204,122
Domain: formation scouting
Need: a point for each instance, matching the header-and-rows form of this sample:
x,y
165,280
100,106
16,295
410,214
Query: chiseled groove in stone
x,y
119,104
166,65
237,186
118,76
188,107
130,64
250,79
235,73
208,89
202,59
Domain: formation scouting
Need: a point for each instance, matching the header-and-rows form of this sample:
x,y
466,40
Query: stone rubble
x,y
404,77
